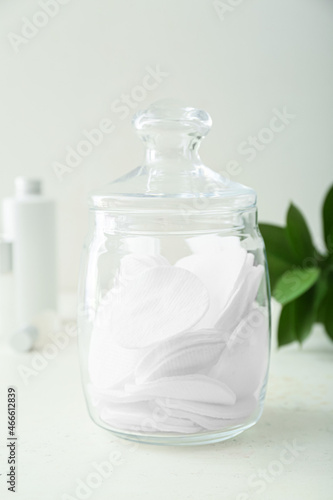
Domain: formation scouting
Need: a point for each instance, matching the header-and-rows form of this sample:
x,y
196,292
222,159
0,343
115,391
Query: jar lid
x,y
172,175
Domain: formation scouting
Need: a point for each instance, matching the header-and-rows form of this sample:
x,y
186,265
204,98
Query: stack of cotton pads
x,y
180,348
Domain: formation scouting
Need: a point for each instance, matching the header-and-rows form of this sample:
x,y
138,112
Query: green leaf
x,y
297,319
276,242
299,235
286,328
328,308
319,299
328,322
294,283
328,219
321,312
276,267
279,254
305,314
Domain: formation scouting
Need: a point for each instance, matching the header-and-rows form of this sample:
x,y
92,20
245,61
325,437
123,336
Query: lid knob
x,y
171,114
172,132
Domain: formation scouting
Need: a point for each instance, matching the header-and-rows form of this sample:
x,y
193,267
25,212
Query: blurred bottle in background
x,y
29,220
7,298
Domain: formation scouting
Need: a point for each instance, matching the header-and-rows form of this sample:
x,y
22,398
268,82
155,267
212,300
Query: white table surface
x,y
58,444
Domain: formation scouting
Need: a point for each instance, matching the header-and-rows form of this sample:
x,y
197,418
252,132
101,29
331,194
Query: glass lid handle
x,y
172,131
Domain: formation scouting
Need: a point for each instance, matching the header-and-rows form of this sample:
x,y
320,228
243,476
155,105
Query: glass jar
x,y
174,301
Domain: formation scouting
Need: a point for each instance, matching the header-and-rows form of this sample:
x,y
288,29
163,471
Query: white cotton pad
x,y
219,273
178,342
189,387
247,265
156,304
207,423
195,357
177,426
134,412
243,365
130,266
140,417
133,264
243,271
242,408
106,397
108,363
182,426
242,299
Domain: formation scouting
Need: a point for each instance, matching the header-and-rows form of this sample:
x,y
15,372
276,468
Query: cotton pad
x,y
207,423
187,339
190,387
243,365
141,419
242,299
240,409
218,272
133,264
186,353
179,426
109,363
106,397
156,304
132,412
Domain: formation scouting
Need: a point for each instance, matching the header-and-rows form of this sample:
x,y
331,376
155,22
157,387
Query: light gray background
x,y
263,54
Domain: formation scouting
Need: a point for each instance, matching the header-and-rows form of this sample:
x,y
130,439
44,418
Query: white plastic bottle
x,y
34,252
7,300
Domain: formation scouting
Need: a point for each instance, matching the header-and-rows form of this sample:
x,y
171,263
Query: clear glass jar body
x,y
174,324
